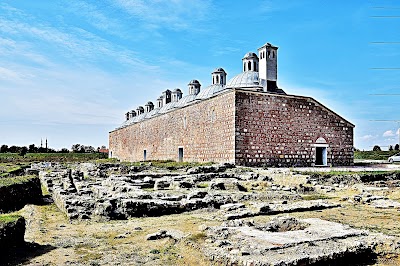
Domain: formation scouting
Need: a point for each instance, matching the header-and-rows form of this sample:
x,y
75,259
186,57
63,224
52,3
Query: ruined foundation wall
x,y
279,130
204,130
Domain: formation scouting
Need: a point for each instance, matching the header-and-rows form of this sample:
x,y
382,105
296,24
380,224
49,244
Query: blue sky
x,y
70,69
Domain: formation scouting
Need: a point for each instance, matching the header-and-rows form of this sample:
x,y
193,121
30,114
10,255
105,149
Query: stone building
x,y
247,120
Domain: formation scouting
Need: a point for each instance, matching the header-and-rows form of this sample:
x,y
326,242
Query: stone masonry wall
x,y
279,130
205,130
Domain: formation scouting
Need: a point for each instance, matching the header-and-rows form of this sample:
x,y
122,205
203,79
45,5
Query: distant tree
x,y
64,150
390,148
41,150
355,149
396,147
89,149
76,148
32,148
4,148
376,148
14,149
23,151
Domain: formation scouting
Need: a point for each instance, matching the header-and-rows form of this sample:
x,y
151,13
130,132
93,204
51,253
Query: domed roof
x,y
177,90
167,107
219,69
152,113
250,54
210,91
188,99
140,108
194,81
244,80
149,103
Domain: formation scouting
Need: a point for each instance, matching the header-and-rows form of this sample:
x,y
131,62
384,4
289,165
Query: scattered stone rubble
x,y
287,241
89,191
115,191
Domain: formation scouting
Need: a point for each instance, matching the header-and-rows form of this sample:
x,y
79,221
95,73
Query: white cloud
x,y
74,43
388,133
173,14
367,137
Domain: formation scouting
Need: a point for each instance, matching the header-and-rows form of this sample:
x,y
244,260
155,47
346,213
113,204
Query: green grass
x,y
202,185
8,181
315,197
8,218
167,164
51,157
344,173
374,155
198,237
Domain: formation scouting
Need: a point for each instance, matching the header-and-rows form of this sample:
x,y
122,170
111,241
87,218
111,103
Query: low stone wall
x,y
15,192
12,230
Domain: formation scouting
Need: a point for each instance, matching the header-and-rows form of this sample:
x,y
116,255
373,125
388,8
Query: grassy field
x,y
374,155
51,157
167,164
8,218
4,182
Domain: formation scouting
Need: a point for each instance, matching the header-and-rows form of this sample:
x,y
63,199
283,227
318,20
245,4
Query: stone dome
x,y
188,99
219,69
194,81
177,90
250,54
168,107
210,91
246,79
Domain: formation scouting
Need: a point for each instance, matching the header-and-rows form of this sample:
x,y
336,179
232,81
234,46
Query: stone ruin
x,y
288,241
116,191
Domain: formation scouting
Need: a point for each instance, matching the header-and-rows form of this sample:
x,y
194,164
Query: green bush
x,y
373,155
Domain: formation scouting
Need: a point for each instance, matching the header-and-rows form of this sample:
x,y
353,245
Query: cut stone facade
x,y
247,120
285,130
205,131
244,127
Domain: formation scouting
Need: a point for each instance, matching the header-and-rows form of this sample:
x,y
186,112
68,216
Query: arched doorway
x,y
321,152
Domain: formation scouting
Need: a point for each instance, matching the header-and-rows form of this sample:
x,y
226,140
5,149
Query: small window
x,y
249,65
180,154
184,122
217,80
255,66
222,79
212,115
244,67
144,155
273,54
269,54
213,80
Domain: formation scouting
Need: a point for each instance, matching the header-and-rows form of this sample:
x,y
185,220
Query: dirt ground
x,y
53,240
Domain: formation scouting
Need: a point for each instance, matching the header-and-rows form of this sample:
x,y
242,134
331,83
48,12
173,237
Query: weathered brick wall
x,y
277,130
208,135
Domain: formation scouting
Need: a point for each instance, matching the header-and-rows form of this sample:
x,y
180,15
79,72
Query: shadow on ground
x,y
23,253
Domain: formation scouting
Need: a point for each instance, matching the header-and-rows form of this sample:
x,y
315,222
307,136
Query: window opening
x,y
180,154
321,156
